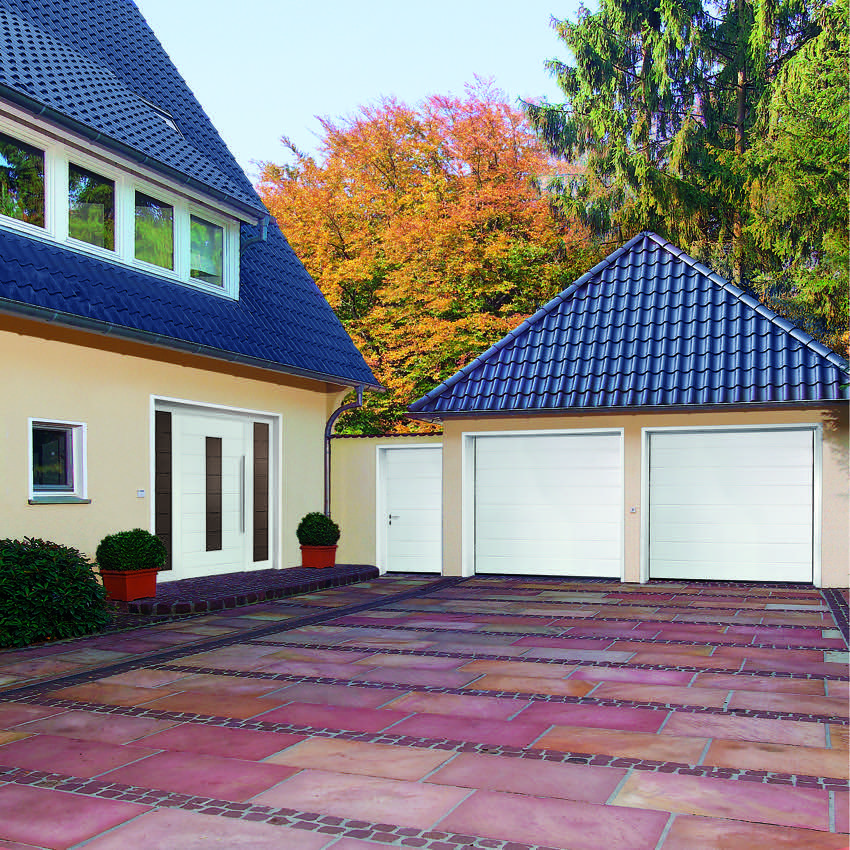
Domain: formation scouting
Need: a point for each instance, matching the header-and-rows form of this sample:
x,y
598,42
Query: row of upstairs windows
x,y
53,191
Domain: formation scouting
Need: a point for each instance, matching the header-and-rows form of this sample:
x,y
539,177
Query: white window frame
x,y
78,493
58,155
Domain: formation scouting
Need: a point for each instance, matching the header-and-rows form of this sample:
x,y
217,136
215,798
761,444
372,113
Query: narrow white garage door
x,y
731,505
549,504
413,498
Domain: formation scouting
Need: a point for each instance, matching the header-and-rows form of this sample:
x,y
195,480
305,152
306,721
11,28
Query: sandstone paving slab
x,y
72,756
690,832
341,695
12,714
781,758
360,757
594,716
219,684
792,703
799,732
630,674
215,704
614,742
195,773
335,717
247,744
368,798
170,829
839,737
56,819
539,779
675,695
93,726
555,823
519,684
458,705
727,798
509,733
520,669
420,676
105,693
145,677
761,684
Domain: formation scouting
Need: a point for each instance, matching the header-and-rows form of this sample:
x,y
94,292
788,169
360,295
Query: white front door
x,y
549,504
213,495
731,505
412,517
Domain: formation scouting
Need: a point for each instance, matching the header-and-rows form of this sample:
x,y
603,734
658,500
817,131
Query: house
x,y
167,361
651,421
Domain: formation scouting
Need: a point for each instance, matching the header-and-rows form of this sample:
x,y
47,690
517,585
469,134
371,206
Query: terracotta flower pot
x,y
125,586
318,556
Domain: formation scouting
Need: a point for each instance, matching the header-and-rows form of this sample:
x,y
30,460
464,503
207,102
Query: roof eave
x,y
69,320
438,416
252,214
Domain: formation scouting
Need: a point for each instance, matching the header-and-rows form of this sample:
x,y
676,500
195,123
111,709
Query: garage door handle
x,y
391,517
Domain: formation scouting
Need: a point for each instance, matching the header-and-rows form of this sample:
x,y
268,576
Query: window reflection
x,y
154,231
21,181
207,251
51,459
91,207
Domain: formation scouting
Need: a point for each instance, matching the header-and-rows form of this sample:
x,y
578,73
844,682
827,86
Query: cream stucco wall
x,y
354,496
55,374
457,532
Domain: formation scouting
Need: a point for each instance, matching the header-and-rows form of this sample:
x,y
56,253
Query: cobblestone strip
x,y
385,833
838,605
424,612
457,746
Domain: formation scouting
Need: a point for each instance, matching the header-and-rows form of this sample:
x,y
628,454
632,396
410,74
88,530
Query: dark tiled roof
x,y
288,324
64,65
647,327
97,61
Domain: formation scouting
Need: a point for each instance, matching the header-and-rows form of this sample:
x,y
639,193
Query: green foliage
x,y
47,592
798,171
317,530
127,551
21,181
663,102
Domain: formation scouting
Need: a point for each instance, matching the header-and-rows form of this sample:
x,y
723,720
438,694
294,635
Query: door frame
x,y
275,422
381,543
468,485
817,482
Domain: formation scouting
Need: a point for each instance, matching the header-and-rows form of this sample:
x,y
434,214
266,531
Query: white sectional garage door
x,y
549,504
731,505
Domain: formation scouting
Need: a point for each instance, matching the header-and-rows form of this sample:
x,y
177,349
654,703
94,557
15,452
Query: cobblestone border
x,y
387,737
837,602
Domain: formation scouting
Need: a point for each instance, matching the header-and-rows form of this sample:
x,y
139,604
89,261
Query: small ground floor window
x,y
58,461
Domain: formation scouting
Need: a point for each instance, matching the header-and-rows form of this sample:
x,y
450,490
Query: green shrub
x,y
128,551
317,530
47,592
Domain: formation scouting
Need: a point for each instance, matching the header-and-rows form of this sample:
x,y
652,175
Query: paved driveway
x,y
410,712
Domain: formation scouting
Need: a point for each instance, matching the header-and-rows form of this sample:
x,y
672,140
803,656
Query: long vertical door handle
x,y
242,494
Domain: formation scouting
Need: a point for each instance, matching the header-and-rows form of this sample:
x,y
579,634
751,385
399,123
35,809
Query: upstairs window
x,y
91,207
94,202
154,231
207,251
21,181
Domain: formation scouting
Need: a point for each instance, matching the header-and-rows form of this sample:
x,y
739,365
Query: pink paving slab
x,y
487,708
672,694
335,717
726,798
792,703
629,674
801,733
14,713
170,829
407,676
762,684
510,733
594,716
57,754
522,776
782,758
209,776
690,832
369,798
56,819
554,823
352,696
219,741
93,726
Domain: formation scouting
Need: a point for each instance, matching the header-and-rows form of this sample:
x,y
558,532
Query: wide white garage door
x,y
549,504
731,505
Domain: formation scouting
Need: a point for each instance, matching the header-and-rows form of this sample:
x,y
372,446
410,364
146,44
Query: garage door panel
x,y
732,505
549,504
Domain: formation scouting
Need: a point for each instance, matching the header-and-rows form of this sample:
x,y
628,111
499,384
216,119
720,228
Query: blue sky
x,y
262,69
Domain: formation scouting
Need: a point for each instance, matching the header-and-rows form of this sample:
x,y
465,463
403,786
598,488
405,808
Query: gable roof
x,y
96,66
649,326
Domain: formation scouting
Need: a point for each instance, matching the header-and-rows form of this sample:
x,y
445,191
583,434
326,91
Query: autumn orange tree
x,y
427,231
